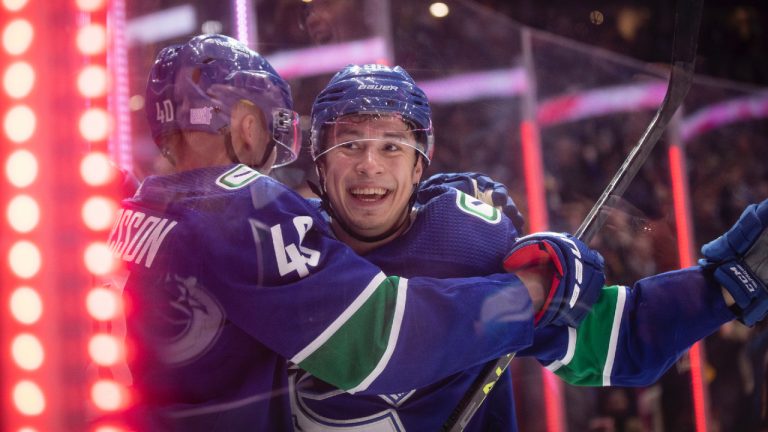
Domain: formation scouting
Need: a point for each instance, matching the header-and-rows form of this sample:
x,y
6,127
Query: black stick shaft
x,y
687,20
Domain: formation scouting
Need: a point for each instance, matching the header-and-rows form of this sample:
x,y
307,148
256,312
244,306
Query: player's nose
x,y
369,161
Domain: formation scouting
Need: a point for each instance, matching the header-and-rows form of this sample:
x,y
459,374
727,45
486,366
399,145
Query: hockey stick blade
x,y
687,20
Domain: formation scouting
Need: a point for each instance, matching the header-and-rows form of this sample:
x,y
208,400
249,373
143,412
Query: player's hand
x,y
477,185
739,259
577,277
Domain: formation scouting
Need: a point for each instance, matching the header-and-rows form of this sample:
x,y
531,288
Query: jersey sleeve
x,y
633,335
285,281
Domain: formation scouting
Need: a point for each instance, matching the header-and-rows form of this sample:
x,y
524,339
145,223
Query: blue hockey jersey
x,y
234,278
630,338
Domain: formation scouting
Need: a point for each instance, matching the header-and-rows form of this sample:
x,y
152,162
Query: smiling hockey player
x,y
371,136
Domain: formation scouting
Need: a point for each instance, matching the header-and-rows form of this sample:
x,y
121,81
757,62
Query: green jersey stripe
x,y
360,345
595,342
397,321
343,318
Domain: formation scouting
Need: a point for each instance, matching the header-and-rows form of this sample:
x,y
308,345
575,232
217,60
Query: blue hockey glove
x,y
578,276
740,261
477,185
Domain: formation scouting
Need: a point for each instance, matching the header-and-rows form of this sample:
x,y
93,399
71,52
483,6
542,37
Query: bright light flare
x,y
96,169
92,39
20,123
24,259
90,5
109,429
92,81
104,349
108,395
98,213
14,5
94,124
27,352
17,36
19,79
102,304
98,258
21,168
439,10
26,305
23,213
28,398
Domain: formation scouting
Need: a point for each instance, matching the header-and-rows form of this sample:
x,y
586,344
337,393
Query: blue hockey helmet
x,y
158,105
375,90
215,73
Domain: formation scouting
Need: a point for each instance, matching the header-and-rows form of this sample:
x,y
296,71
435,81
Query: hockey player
x,y
233,277
364,124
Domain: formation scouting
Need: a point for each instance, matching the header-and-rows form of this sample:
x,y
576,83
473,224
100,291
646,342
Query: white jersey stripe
x,y
397,321
340,320
569,353
621,298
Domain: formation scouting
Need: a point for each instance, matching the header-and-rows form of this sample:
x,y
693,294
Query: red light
x,y
17,36
21,168
98,213
90,5
20,123
28,398
103,304
26,305
98,258
23,213
104,349
24,259
96,170
14,5
108,395
94,124
18,80
27,352
92,39
92,81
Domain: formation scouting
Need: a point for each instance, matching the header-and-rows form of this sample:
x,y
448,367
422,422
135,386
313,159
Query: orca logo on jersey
x,y
193,321
135,235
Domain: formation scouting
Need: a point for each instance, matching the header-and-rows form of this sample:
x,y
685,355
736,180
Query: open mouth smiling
x,y
369,194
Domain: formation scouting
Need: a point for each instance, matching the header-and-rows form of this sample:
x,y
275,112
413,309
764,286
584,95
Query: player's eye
x,y
393,146
350,146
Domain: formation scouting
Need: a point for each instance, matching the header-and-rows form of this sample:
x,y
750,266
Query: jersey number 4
x,y
293,257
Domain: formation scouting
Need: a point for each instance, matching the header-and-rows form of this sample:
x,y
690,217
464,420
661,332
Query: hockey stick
x,y
687,20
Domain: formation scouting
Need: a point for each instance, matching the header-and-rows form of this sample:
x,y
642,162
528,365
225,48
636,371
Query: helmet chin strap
x,y
326,205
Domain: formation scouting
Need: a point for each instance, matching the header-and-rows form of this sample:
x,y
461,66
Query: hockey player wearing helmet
x,y
234,279
372,138
214,101
628,338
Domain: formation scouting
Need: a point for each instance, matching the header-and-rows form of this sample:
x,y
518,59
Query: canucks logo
x,y
192,321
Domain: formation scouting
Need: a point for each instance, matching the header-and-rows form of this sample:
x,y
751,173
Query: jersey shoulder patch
x,y
238,177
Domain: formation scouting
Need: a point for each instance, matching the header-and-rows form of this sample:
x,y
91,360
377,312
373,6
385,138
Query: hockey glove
x,y
477,185
740,262
578,275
